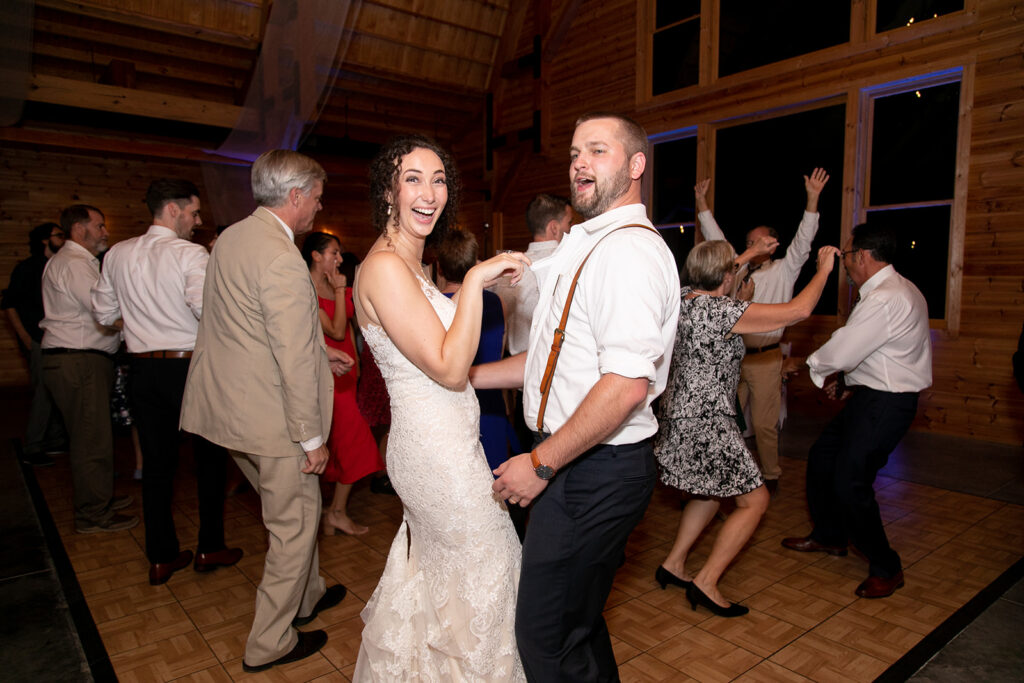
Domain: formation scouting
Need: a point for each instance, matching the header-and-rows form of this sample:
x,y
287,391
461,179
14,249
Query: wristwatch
x,y
541,470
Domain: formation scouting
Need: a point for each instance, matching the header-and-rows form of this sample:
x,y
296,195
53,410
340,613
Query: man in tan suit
x,y
260,384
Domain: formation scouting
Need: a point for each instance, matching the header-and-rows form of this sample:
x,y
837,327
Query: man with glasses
x,y
23,302
884,354
773,281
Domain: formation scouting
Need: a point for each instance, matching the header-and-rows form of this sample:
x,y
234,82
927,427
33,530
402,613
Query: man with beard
x,y
23,302
78,369
592,469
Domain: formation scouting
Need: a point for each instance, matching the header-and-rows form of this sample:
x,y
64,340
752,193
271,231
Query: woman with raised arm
x,y
445,605
352,447
699,446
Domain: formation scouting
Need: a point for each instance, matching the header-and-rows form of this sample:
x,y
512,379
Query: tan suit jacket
x,y
259,381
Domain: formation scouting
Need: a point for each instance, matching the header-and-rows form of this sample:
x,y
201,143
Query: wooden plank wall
x,y
974,393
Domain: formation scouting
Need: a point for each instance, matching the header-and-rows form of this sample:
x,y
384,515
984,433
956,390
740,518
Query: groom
x,y
592,470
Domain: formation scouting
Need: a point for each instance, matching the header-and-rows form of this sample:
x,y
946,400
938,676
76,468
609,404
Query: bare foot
x,y
338,522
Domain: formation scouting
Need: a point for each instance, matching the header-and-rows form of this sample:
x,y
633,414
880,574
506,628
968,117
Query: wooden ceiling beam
x,y
558,30
148,21
467,15
116,145
73,93
145,42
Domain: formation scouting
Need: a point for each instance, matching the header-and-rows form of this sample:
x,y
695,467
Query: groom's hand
x,y
517,483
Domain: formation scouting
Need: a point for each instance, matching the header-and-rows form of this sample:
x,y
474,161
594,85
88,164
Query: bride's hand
x,y
510,264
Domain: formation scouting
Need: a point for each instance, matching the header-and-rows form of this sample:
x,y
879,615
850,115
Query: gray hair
x,y
277,172
708,264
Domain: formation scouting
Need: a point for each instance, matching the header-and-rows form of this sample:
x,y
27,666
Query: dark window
x,y
676,60
899,13
672,11
753,33
759,173
913,145
674,164
924,249
912,177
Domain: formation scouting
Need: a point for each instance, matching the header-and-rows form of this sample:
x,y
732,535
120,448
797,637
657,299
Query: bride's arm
x,y
391,296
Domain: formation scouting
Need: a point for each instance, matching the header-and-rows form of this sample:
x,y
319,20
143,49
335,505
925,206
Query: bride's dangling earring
x,y
389,209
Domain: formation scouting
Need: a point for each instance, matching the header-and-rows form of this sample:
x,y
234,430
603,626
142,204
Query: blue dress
x,y
496,432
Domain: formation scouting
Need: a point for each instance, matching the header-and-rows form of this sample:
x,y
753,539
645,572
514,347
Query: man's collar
x,y
155,229
76,246
619,213
876,280
288,231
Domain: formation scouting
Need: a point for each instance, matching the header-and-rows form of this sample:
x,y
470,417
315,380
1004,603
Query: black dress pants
x,y
156,389
574,544
841,470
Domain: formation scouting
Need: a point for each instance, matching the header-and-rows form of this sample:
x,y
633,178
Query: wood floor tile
x,y
129,600
356,565
647,669
824,584
332,677
757,632
673,601
964,548
143,628
213,608
967,573
770,672
163,660
114,576
903,610
188,583
623,650
704,656
227,638
797,607
342,646
880,639
215,674
642,625
825,660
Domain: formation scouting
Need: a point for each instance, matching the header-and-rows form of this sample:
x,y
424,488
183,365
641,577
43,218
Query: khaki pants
x,y
761,384
291,584
80,386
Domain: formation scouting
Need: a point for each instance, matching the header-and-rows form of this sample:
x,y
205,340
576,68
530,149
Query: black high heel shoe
x,y
696,597
664,577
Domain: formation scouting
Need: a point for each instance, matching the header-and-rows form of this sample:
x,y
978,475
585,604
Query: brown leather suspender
x,y
559,337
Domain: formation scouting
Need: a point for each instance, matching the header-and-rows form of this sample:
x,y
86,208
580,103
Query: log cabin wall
x,y
601,65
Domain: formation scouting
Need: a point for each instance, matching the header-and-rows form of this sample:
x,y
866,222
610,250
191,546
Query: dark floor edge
x,y
919,655
88,635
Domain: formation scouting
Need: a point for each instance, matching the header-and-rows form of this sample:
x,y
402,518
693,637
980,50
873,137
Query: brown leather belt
x,y
163,354
751,350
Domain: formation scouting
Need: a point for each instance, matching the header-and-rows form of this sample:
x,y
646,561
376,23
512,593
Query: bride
x,y
445,606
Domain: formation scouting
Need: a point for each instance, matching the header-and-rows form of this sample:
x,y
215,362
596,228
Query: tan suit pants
x,y
291,584
761,384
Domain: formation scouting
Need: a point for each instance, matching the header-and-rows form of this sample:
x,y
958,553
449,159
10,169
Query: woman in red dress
x,y
353,449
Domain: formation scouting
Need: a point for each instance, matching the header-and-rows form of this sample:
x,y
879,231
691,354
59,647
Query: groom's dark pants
x,y
574,544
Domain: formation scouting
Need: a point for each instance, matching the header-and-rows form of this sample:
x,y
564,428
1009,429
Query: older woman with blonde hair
x,y
699,446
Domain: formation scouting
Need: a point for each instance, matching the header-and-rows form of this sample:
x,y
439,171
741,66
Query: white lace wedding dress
x,y
444,609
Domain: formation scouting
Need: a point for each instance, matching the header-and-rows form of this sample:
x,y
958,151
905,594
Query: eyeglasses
x,y
843,254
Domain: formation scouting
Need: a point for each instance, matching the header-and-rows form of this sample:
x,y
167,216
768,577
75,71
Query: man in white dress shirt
x,y
154,283
78,369
884,355
592,470
773,281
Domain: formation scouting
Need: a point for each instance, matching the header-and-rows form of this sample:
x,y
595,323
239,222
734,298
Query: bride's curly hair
x,y
384,181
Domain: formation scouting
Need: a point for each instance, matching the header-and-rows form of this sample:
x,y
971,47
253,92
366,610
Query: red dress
x,y
352,447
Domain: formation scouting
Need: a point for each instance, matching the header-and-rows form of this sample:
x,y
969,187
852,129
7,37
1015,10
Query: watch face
x,y
544,472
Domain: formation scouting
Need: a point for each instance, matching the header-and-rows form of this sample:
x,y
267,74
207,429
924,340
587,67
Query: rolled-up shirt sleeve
x,y
194,267
848,346
625,292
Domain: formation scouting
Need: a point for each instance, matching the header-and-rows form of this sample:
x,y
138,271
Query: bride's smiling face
x,y
422,192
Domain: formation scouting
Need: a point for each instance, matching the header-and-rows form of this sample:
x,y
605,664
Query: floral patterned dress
x,y
699,446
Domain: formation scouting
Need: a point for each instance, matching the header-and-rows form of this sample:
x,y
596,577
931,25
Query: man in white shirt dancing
x,y
884,355
592,469
154,282
773,281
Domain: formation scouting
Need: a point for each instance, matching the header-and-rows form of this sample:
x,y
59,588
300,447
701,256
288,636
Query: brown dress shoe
x,y
309,642
161,571
806,544
207,562
880,587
